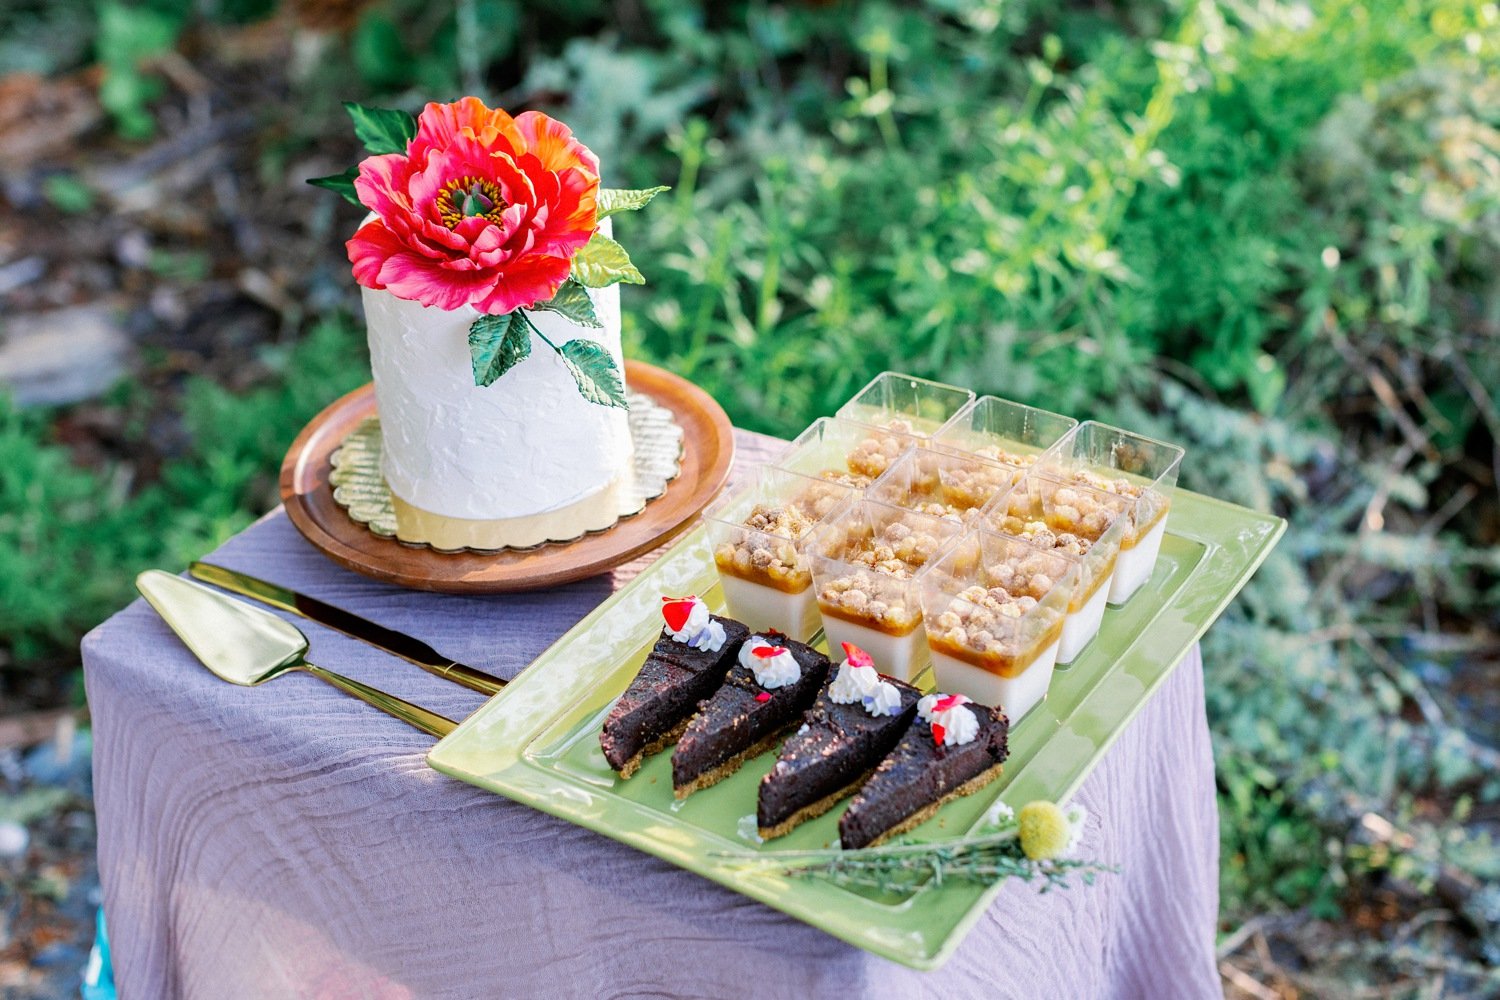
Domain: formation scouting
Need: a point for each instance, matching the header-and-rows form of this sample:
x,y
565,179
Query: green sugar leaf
x,y
594,370
572,302
382,130
602,262
340,183
612,200
497,344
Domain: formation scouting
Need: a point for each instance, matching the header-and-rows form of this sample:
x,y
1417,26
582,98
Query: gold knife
x,y
247,646
396,643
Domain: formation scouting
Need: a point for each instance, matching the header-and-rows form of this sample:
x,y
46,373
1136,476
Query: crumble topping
x,y
872,456
1118,486
1040,535
849,479
897,549
980,617
869,595
956,490
767,548
974,619
893,553
995,453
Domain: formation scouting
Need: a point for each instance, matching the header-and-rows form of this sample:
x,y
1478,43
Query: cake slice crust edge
x,y
665,654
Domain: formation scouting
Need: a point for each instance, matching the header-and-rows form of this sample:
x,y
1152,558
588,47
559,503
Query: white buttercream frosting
x,y
527,444
953,724
858,682
773,666
699,629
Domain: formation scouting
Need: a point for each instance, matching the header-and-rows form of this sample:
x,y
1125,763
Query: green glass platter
x,y
537,740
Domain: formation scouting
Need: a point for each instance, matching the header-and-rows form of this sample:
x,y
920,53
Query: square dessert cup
x,y
758,536
892,396
945,484
846,451
1002,431
865,559
1140,469
995,608
1085,526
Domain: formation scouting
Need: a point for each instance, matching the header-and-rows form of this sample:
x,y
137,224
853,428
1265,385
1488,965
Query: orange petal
x,y
553,144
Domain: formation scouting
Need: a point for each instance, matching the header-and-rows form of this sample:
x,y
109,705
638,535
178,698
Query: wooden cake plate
x,y
708,450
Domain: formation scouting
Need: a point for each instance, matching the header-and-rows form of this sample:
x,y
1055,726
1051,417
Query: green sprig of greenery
x,y
380,131
499,343
898,867
1030,845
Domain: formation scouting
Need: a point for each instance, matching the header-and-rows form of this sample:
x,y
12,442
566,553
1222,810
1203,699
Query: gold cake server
x,y
248,646
347,622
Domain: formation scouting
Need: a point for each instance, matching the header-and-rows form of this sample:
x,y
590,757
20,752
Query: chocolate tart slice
x,y
923,773
766,692
657,705
830,756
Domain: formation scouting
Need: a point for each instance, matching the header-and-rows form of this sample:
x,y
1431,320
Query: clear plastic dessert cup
x,y
995,608
1083,525
891,396
944,484
865,560
1140,469
1003,431
846,451
759,535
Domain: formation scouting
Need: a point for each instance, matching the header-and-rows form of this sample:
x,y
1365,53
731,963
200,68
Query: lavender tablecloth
x,y
289,842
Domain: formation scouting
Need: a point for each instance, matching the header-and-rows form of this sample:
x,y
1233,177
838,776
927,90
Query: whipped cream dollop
x,y
773,666
858,682
952,724
689,622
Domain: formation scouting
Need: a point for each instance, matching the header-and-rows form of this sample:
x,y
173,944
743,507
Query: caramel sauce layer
x,y
1008,665
788,583
1083,595
1133,538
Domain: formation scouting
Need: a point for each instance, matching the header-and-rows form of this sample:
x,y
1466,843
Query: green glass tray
x,y
537,740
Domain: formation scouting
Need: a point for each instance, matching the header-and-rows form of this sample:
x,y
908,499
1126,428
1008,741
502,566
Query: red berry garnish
x,y
856,656
676,611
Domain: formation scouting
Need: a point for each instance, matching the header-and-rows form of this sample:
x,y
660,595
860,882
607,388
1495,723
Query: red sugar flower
x,y
482,209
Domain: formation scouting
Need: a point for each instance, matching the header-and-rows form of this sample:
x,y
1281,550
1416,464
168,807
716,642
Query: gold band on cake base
x,y
450,534
361,489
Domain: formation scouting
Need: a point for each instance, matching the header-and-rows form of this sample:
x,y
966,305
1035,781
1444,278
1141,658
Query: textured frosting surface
x,y
526,444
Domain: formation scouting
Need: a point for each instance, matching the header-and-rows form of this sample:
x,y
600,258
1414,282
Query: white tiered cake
x,y
493,311
516,463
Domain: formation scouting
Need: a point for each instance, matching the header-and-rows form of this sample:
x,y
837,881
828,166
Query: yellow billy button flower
x,y
1044,830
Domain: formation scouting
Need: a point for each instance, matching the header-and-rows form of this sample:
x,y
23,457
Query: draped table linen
x,y
290,842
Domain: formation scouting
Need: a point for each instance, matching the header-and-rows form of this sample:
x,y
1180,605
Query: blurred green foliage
x,y
129,36
72,539
1223,223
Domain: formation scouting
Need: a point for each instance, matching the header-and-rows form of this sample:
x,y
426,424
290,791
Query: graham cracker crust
x,y
654,747
717,774
813,809
922,815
